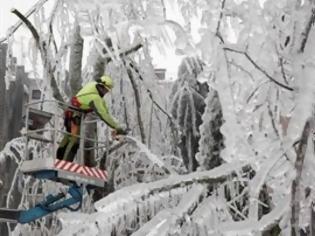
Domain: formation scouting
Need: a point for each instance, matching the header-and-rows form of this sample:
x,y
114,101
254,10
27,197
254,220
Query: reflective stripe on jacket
x,y
89,98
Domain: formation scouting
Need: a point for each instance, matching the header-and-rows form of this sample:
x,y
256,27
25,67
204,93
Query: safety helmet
x,y
107,82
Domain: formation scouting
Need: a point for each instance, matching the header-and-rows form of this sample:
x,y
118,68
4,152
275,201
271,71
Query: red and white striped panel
x,y
79,169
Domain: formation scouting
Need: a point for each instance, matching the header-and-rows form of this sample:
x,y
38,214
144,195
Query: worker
x,y
88,99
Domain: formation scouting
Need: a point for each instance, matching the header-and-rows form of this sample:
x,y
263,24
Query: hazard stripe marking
x,y
100,173
95,172
67,166
82,171
103,174
79,169
87,169
74,167
60,163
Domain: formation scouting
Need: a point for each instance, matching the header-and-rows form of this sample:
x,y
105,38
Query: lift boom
x,y
51,204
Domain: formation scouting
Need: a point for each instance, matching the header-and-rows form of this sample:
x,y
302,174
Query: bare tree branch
x,y
34,9
270,113
258,67
51,30
131,50
233,63
28,24
138,102
132,65
44,55
282,70
218,34
307,30
123,53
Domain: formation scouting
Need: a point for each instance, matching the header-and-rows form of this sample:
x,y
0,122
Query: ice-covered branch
x,y
168,220
252,226
259,180
108,54
142,191
307,30
153,158
258,67
138,102
284,76
295,188
171,119
217,32
51,21
142,199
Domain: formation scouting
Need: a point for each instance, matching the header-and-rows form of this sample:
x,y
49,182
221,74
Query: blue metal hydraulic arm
x,y
51,204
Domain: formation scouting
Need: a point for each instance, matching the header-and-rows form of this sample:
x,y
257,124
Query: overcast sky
x,y
7,19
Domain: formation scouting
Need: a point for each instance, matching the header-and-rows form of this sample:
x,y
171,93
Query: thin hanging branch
x,y
273,123
217,32
135,69
307,31
123,53
123,101
282,71
175,129
258,67
138,102
237,66
150,125
51,30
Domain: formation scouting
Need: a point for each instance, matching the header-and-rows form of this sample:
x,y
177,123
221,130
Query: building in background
x,y
14,95
160,73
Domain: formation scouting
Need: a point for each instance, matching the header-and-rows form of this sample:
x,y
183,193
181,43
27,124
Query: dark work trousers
x,y
70,143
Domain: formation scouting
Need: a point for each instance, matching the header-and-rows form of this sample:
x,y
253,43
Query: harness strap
x,y
76,103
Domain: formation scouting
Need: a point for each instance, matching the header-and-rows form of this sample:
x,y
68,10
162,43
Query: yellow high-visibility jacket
x,y
89,98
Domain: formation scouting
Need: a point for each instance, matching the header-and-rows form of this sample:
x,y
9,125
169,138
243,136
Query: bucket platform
x,y
65,171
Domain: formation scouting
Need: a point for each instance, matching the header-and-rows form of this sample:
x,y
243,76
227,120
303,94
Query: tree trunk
x,y
3,117
76,61
295,188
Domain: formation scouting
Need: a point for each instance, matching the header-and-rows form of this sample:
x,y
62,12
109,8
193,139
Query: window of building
x,y
36,94
160,73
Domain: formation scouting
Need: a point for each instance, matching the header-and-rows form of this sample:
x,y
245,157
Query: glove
x,y
122,131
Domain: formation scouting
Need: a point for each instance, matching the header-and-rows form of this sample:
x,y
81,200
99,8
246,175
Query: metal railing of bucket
x,y
36,121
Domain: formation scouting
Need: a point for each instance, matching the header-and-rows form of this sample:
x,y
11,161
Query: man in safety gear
x,y
88,99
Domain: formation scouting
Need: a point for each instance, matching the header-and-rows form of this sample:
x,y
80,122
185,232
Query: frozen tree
x,y
3,105
75,63
187,109
211,140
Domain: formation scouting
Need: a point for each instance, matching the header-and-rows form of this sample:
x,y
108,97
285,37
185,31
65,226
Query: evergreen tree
x,y
187,109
